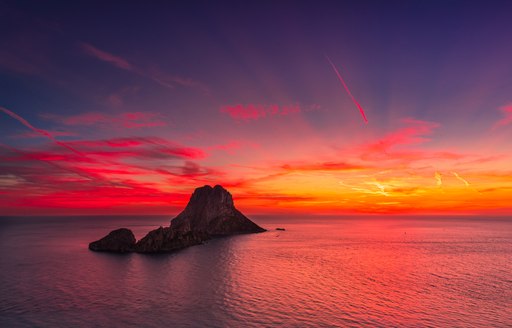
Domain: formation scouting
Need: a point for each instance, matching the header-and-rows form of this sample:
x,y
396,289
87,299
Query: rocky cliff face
x,y
168,240
209,213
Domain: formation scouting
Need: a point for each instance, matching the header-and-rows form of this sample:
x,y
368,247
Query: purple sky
x,y
125,102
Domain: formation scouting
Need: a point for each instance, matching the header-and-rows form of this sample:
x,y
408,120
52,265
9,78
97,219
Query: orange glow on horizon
x,y
388,175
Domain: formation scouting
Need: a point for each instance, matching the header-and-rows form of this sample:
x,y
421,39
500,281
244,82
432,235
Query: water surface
x,y
320,272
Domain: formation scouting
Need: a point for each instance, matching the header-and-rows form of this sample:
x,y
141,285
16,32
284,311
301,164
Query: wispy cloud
x,y
234,146
16,63
33,134
439,179
461,179
110,173
164,79
507,116
36,130
402,146
171,81
323,166
415,133
138,148
106,57
252,112
128,120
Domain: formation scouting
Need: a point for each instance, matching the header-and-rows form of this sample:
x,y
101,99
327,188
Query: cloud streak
x,y
106,57
412,134
39,131
325,166
128,120
113,173
439,179
253,112
461,179
507,116
163,79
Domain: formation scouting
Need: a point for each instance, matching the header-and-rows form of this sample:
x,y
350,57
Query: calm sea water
x,y
320,272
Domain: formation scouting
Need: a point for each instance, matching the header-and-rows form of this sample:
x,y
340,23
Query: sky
x,y
326,107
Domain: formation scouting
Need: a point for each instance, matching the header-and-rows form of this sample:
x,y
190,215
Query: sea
x,y
322,271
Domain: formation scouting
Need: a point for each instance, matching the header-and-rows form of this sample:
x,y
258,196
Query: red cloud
x,y
140,148
256,111
102,197
55,178
100,160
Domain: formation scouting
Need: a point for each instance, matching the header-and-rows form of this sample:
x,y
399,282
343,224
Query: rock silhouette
x,y
168,240
210,213
120,241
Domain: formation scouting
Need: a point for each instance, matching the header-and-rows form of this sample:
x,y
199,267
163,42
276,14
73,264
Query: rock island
x,y
210,213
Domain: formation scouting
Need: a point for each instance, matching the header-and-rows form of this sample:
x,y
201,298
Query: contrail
x,y
460,178
40,131
361,110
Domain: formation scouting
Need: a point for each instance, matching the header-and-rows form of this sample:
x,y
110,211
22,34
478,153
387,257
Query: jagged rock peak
x,y
212,211
205,195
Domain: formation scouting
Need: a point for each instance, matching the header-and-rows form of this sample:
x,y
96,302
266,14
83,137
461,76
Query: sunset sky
x,y
124,107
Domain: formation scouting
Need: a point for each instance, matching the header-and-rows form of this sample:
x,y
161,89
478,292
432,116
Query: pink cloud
x,y
106,57
400,147
413,134
254,112
507,116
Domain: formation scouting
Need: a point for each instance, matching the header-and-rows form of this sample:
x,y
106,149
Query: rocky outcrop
x,y
210,213
119,241
168,240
